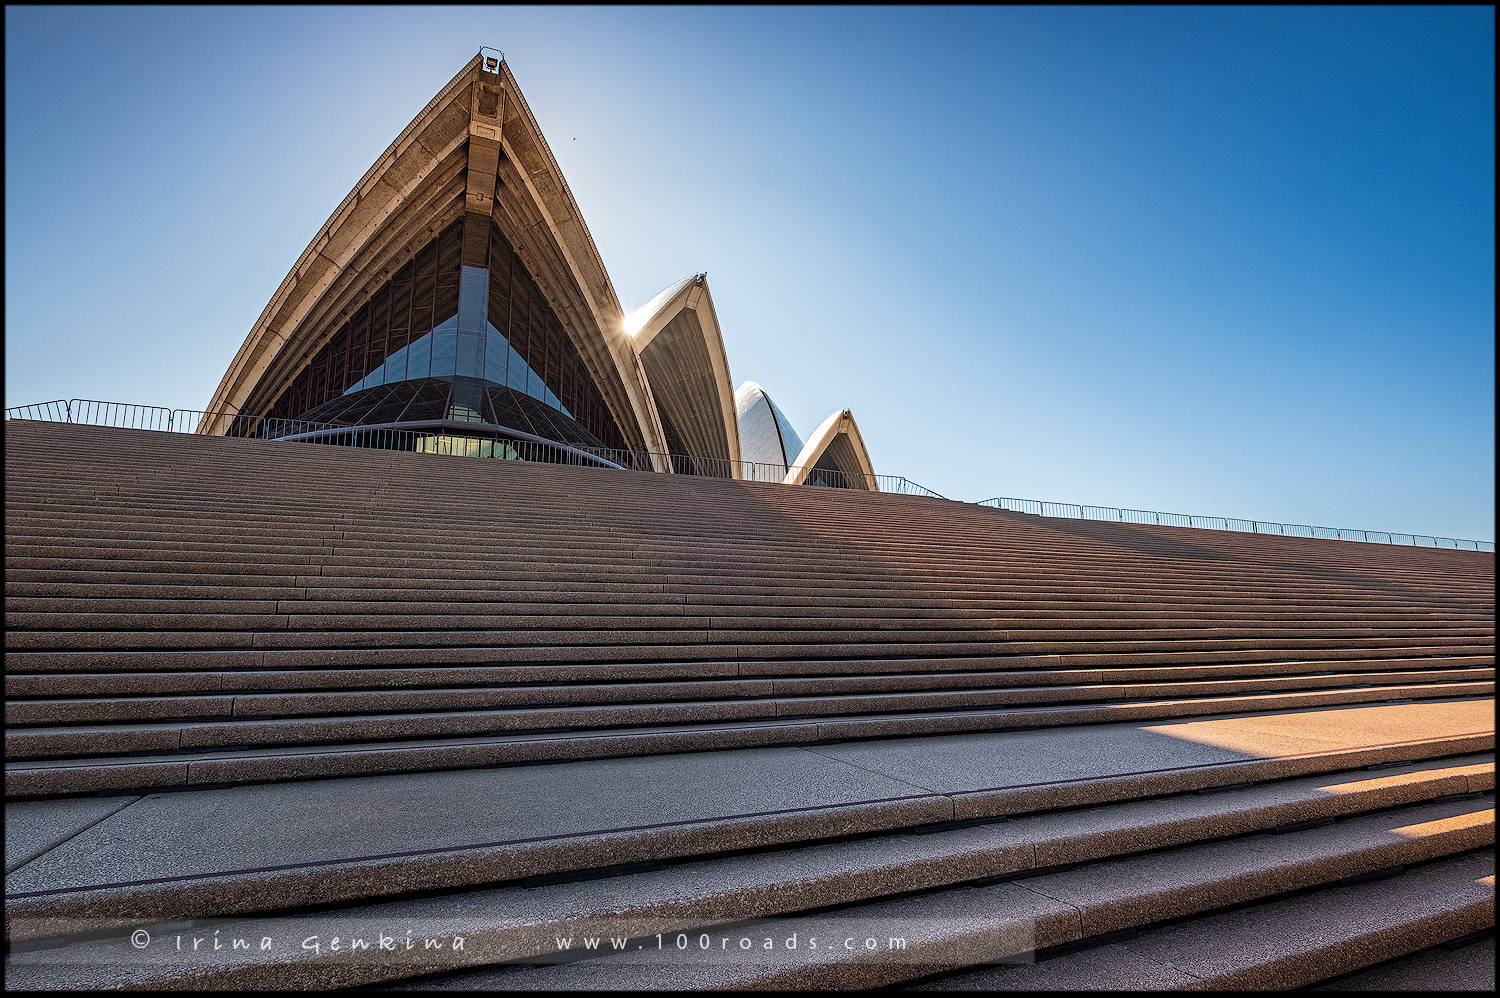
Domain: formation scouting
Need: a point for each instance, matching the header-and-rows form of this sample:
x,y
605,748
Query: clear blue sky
x,y
1225,260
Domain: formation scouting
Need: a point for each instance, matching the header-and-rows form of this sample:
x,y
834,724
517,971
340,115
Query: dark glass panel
x,y
378,317
400,319
415,403
541,418
673,438
488,412
359,340
350,409
328,412
449,260
338,351
536,339
466,401
515,321
390,407
306,398
501,259
317,379
429,401
508,411
424,286
551,369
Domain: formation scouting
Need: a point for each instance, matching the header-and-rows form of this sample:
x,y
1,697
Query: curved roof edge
x,y
544,181
636,322
253,357
839,423
656,334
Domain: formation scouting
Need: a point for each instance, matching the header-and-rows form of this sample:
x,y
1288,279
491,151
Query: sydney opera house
x,y
293,718
456,300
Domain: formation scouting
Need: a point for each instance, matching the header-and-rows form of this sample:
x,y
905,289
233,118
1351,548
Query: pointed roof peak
x,y
637,320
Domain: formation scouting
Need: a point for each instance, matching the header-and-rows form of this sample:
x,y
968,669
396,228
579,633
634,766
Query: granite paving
x,y
181,835
33,827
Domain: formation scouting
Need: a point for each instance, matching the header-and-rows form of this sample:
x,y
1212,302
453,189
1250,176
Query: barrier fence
x,y
454,437
1112,514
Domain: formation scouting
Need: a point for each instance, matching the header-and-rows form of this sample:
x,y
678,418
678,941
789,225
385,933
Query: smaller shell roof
x,y
835,447
676,336
766,435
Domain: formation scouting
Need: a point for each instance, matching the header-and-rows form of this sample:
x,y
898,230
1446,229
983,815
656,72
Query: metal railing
x,y
1112,514
55,411
449,437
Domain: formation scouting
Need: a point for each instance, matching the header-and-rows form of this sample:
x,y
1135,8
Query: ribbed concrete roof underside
x,y
682,351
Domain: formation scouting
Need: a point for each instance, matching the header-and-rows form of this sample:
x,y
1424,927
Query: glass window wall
x,y
492,323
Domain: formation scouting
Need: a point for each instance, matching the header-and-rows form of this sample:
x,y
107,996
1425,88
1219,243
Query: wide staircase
x,y
535,703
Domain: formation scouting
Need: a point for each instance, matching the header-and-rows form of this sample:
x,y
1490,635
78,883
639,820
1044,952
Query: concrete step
x,y
461,591
353,618
460,693
939,931
749,644
1006,579
1463,965
437,818
131,476
679,661
157,755
881,675
1002,581
41,504
61,728
1001,595
840,626
31,612
1279,945
527,531
356,559
798,695
523,920
1049,571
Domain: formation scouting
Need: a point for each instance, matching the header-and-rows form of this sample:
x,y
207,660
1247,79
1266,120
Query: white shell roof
x,y
766,435
852,460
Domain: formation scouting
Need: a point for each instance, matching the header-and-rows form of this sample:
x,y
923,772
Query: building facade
x,y
456,295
